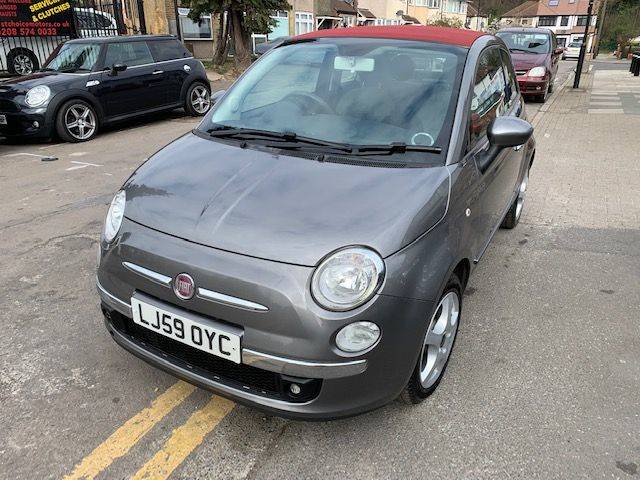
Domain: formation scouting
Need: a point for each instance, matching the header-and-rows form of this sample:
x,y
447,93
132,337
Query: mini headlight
x,y
537,72
38,96
347,278
357,336
114,216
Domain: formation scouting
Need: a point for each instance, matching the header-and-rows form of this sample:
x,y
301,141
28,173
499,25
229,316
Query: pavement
x,y
543,381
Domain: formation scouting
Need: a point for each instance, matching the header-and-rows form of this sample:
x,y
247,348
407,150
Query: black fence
x,y
26,41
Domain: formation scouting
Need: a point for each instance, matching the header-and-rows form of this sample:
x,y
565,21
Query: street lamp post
x,y
583,47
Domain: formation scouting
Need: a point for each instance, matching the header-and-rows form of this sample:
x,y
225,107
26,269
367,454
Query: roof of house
x,y
451,36
409,18
340,6
526,9
535,8
365,12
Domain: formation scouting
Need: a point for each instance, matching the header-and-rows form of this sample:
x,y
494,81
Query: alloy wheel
x,y
200,99
521,194
22,64
80,121
439,339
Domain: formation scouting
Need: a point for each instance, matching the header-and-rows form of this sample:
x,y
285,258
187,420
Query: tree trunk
x,y
222,40
241,40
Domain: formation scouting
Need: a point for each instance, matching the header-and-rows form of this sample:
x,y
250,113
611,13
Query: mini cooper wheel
x,y
437,344
22,62
515,211
77,121
198,100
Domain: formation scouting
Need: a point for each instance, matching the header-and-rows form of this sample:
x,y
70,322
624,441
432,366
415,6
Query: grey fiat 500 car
x,y
305,249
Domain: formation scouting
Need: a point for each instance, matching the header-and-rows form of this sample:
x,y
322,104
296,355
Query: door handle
x,y
157,72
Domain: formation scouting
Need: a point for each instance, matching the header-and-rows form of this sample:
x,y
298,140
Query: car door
x,y
493,95
136,89
173,60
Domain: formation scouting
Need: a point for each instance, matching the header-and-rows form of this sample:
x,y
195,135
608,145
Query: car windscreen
x,y
350,91
575,44
74,57
526,42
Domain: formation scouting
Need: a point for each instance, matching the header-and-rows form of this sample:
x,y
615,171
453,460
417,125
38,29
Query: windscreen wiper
x,y
290,140
396,147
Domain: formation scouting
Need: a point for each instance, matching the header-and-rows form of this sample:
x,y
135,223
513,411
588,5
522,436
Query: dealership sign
x,y
35,18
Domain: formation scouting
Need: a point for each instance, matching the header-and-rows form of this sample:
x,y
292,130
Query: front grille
x,y
239,376
8,106
521,72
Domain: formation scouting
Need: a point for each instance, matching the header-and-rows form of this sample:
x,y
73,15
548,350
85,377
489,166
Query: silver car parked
x,y
305,249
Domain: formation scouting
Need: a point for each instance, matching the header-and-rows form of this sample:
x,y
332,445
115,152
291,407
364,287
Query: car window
x,y
525,42
163,50
354,91
488,101
511,90
128,53
89,20
575,44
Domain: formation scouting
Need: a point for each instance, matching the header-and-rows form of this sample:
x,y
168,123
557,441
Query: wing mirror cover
x,y
509,132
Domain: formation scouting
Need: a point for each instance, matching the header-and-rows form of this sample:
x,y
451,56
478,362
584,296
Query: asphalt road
x,y
543,381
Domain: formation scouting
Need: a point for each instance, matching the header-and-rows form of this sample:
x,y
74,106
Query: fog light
x,y
295,388
36,125
357,336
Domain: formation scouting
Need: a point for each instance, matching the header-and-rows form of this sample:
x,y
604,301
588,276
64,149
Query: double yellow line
x,y
181,443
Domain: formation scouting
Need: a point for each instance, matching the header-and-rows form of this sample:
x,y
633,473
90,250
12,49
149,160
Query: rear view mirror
x,y
117,67
509,132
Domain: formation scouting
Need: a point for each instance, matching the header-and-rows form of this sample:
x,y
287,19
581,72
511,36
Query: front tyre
x,y
76,121
436,345
198,100
22,61
515,211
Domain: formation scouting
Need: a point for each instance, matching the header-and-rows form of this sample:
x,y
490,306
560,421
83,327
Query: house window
x,y
304,22
525,21
387,21
582,21
455,6
191,30
553,3
433,3
564,21
547,21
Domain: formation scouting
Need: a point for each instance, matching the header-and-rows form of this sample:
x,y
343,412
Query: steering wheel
x,y
305,96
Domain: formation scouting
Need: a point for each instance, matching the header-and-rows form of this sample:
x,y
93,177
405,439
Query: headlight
x,y
537,72
357,336
38,96
114,216
347,278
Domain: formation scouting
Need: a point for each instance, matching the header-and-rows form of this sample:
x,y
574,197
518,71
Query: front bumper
x,y
533,86
27,122
292,338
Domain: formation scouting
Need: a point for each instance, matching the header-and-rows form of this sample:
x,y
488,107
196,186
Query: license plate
x,y
185,328
3,119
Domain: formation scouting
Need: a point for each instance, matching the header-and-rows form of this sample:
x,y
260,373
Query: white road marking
x,y
79,165
24,154
606,110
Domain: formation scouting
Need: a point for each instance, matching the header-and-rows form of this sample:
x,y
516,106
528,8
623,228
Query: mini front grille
x,y
239,376
8,106
521,72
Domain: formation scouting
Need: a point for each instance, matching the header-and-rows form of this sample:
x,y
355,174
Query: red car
x,y
535,55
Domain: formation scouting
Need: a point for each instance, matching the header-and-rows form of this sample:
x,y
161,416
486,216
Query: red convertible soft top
x,y
451,36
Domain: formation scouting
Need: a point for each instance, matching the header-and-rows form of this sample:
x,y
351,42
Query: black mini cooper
x,y
89,83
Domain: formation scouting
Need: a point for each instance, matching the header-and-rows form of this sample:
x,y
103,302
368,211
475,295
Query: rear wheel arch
x,y
463,270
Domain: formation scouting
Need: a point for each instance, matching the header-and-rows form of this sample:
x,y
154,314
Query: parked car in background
x,y
25,55
572,50
264,47
91,82
306,248
535,54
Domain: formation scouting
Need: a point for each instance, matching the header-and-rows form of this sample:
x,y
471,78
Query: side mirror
x,y
558,51
508,132
217,96
504,132
117,67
